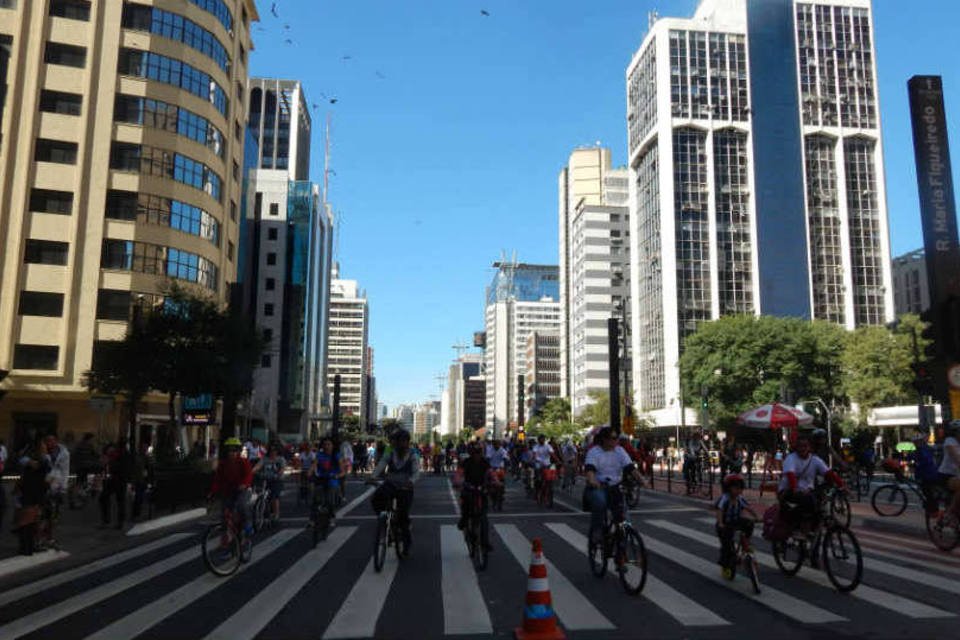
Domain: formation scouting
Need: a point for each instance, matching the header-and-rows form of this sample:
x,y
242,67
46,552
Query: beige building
x,y
120,168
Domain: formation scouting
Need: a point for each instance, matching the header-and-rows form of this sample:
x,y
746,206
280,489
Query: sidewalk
x,y
910,522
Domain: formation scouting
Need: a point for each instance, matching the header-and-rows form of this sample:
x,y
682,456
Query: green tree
x,y
877,365
553,420
742,361
597,412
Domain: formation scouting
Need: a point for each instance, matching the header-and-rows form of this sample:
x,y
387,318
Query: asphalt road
x,y
289,591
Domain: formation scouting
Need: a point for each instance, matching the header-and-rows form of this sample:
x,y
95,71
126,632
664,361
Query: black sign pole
x,y
336,407
613,351
939,219
521,400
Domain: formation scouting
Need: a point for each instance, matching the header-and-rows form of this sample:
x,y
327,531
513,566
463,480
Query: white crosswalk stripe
x,y
262,608
19,593
683,609
358,615
571,606
464,609
899,604
153,613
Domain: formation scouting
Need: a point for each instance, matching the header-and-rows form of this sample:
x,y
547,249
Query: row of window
x,y
219,10
153,161
151,209
153,66
142,257
71,9
168,117
176,27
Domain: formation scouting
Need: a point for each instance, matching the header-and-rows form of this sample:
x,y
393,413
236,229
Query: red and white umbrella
x,y
775,416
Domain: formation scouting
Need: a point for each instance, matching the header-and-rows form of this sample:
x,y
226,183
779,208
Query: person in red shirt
x,y
232,481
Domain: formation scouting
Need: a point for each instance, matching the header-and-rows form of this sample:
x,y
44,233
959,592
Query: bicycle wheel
x,y
842,559
380,542
840,509
943,531
548,497
596,552
632,562
220,549
259,513
481,541
246,549
633,496
889,500
750,564
789,555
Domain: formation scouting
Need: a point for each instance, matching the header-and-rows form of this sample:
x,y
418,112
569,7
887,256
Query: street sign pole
x,y
613,360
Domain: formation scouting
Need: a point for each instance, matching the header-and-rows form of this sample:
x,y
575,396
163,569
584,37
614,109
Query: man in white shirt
x,y
58,458
949,469
497,455
542,453
800,471
605,466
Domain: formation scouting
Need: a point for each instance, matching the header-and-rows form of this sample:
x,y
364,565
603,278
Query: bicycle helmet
x,y
731,479
818,434
232,442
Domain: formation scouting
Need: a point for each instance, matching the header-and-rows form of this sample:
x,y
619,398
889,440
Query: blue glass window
x,y
153,66
142,257
176,27
168,117
219,10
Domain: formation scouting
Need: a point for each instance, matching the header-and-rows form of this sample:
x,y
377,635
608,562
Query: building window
x,y
268,309
239,90
243,55
168,117
272,233
218,9
267,335
274,209
270,284
65,54
113,304
271,259
125,156
153,66
265,361
237,131
55,151
236,171
41,303
35,356
233,211
176,27
48,201
60,102
229,251
153,161
142,257
121,205
71,9
46,252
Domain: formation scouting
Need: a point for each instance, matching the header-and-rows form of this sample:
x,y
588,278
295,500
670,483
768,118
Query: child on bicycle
x,y
730,508
232,481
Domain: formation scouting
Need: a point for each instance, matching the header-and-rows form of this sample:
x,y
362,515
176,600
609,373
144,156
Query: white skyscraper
x,y
594,268
349,326
756,176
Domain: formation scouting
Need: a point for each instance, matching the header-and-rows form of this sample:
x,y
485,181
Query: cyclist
x,y
476,474
271,468
307,456
729,509
692,466
800,471
327,473
820,447
950,465
543,455
605,466
231,482
568,454
401,468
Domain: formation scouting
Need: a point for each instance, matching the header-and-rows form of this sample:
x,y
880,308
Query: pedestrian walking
x,y
29,493
118,464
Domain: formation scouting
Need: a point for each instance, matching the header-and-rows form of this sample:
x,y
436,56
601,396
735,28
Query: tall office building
x,y
911,291
522,298
349,326
456,411
756,176
291,258
121,147
543,370
594,269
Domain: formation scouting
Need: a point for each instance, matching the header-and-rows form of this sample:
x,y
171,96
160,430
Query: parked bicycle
x,y
477,531
827,542
623,544
389,532
224,546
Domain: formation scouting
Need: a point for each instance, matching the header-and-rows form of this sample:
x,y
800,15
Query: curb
x,y
166,521
9,566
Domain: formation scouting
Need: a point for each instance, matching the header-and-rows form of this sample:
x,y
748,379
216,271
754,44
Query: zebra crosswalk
x,y
332,591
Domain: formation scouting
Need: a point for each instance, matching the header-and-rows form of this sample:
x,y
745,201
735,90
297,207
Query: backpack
x,y
924,464
775,528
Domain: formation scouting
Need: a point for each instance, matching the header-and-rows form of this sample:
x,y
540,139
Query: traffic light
x,y
922,379
931,351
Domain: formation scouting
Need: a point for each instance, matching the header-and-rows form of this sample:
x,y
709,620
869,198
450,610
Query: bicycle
x,y
497,490
943,527
834,544
569,477
389,533
477,532
321,513
839,504
545,486
631,492
890,500
623,543
224,545
743,557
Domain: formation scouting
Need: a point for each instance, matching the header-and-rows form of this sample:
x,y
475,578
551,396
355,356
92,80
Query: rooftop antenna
x,y
460,347
326,160
652,18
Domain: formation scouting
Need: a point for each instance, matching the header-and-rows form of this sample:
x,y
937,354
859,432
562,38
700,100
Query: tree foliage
x,y
553,421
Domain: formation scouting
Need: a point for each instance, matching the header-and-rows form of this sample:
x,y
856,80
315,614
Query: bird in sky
x,y
345,58
274,11
380,75
288,41
484,12
286,27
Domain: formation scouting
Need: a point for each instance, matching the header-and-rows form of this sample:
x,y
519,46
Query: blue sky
x,y
450,128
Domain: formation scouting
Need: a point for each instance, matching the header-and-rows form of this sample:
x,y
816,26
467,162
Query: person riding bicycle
x,y
800,472
401,468
729,509
327,473
606,465
477,473
271,468
950,465
568,454
232,481
693,453
543,456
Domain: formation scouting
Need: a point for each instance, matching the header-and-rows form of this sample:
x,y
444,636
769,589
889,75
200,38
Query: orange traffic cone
x,y
539,620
